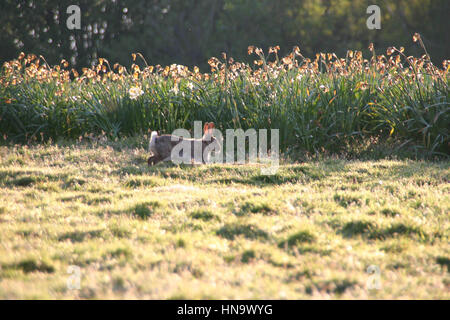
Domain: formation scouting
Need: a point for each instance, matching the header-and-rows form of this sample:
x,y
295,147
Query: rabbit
x,y
161,146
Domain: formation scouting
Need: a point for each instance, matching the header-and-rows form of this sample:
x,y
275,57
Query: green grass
x,y
219,231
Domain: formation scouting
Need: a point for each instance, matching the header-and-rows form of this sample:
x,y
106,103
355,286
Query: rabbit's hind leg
x,y
153,160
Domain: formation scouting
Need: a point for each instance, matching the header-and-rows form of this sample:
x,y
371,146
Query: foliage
x,y
188,32
320,104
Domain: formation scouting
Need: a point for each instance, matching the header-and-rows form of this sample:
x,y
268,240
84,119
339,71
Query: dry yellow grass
x,y
220,231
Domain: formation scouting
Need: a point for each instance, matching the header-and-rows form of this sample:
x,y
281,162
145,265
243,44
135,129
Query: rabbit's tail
x,y
152,143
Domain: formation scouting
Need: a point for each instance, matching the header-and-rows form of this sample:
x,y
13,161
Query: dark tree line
x,y
190,31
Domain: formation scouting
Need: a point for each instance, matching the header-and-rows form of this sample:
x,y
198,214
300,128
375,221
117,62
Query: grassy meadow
x,y
312,230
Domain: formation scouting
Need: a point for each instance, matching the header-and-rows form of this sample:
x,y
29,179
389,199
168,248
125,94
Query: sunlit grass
x,y
218,231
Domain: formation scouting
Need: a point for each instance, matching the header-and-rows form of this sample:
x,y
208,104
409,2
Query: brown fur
x,y
163,145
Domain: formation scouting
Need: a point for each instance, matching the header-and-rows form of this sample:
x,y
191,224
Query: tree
x,y
190,31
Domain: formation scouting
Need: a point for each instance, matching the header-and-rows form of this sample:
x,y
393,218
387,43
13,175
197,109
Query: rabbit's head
x,y
209,137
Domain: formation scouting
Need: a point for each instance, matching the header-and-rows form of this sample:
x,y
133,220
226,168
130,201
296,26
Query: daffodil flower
x,y
135,92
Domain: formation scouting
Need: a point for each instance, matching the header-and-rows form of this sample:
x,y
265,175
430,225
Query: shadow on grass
x,y
80,236
203,214
297,239
372,231
27,178
142,210
336,286
255,206
31,265
248,175
248,231
422,173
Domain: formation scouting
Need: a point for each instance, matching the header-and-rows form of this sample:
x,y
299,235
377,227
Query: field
x,y
358,209
329,228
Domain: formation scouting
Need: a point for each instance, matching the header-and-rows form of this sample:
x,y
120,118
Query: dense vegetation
x,y
321,104
188,32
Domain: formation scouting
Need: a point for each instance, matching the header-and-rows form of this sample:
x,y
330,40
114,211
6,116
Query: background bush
x,y
318,104
188,32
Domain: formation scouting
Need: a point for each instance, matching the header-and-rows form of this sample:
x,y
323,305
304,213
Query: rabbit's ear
x,y
205,127
210,128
